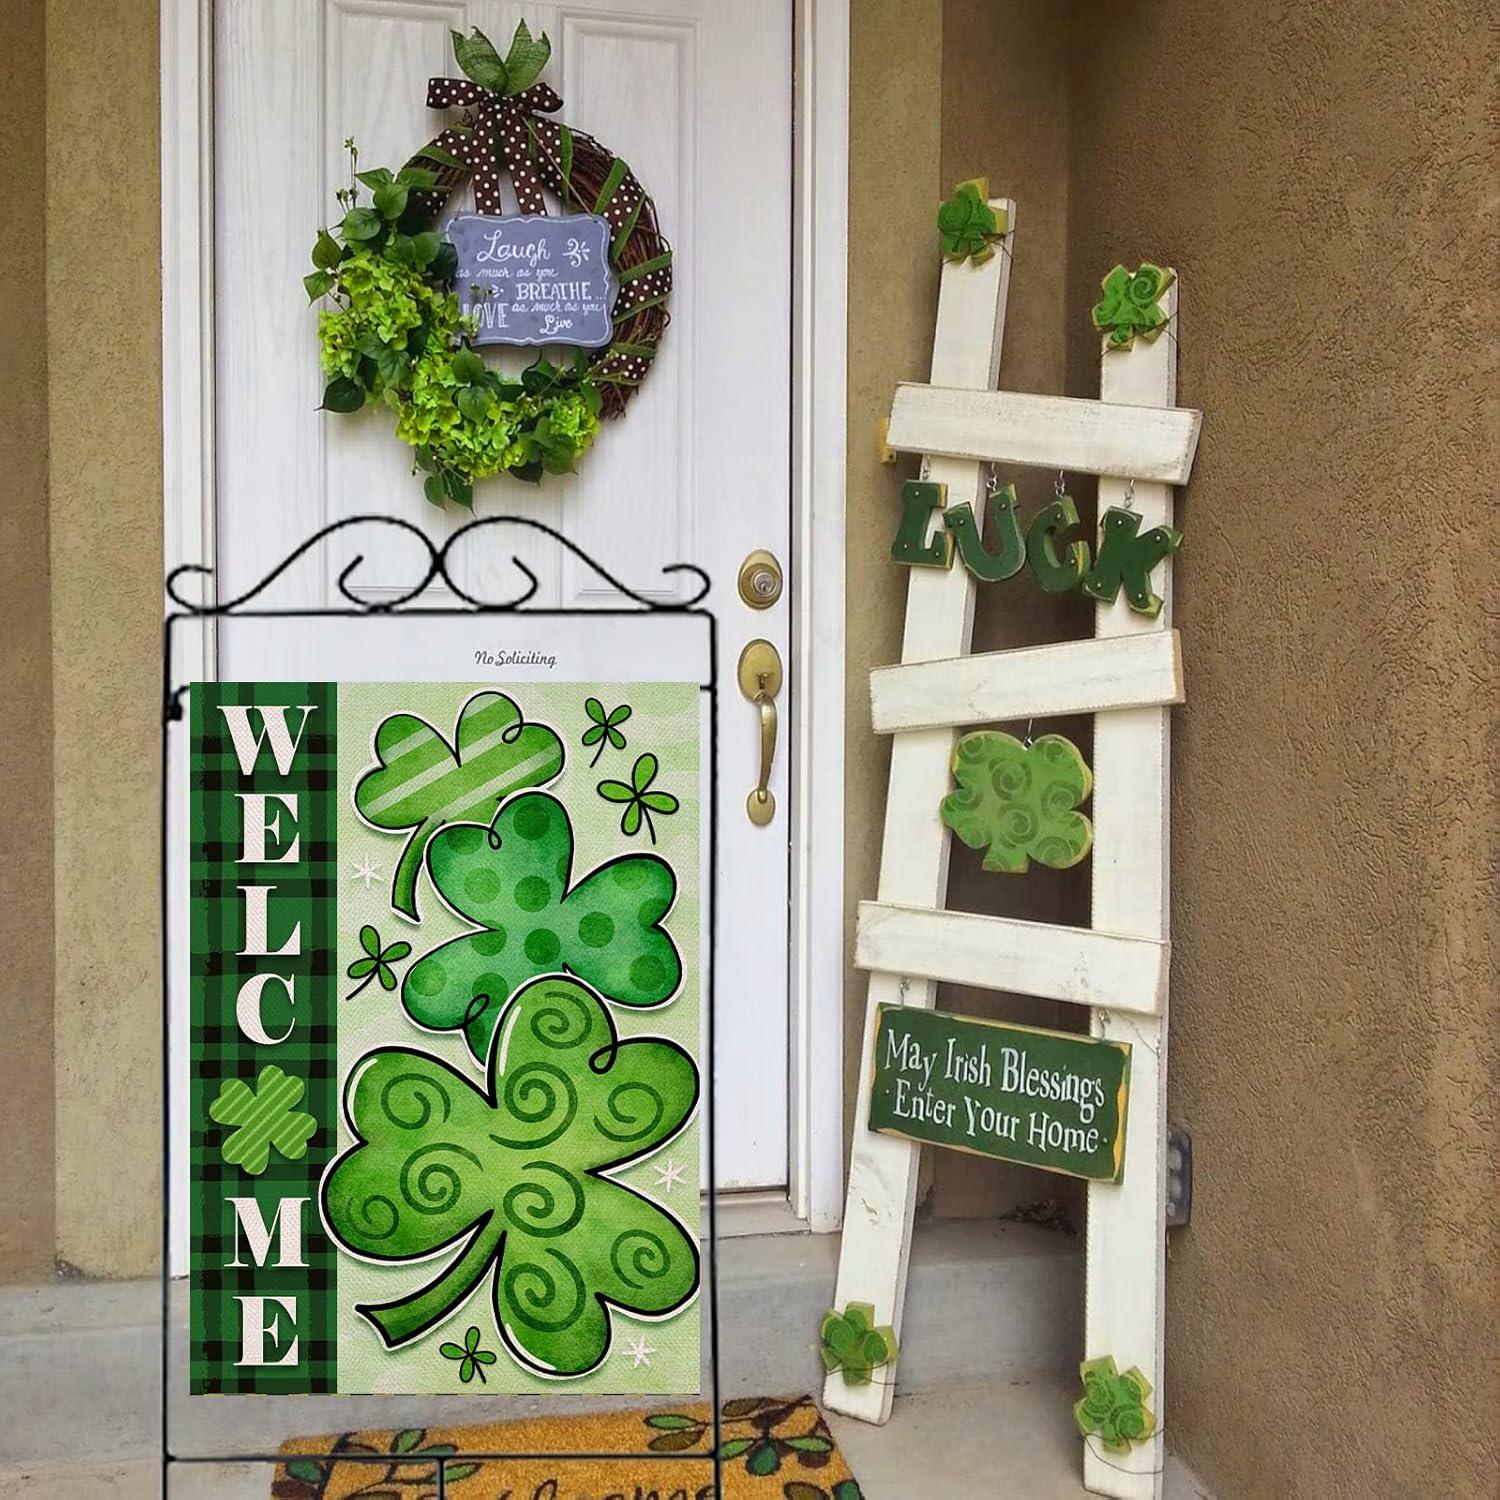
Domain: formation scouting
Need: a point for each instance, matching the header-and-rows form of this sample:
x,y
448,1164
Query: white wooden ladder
x,y
1134,439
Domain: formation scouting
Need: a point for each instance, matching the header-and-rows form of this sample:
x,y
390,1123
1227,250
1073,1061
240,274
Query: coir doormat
x,y
774,1448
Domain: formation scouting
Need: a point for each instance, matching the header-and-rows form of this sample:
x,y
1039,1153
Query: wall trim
x,y
820,115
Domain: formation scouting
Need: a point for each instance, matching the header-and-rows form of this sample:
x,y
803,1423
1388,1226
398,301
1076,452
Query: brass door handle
x,y
761,804
760,677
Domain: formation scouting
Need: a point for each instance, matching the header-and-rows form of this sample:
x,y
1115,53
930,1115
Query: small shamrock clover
x,y
967,224
1114,1405
603,731
639,801
507,1183
265,1118
1130,307
422,782
472,1358
513,881
852,1343
1019,800
377,963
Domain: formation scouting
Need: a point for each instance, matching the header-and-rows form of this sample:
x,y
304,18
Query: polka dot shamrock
x,y
513,881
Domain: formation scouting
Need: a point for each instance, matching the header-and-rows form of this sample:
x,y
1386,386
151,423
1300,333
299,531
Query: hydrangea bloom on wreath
x,y
392,329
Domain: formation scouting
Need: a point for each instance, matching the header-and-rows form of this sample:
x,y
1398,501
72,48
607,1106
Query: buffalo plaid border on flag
x,y
306,893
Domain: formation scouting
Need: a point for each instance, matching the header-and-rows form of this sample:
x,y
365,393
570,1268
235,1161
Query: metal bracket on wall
x,y
1179,1177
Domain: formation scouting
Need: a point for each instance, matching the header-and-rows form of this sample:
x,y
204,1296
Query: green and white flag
x,y
445,1035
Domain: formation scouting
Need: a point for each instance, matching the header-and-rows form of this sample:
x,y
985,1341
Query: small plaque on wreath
x,y
531,279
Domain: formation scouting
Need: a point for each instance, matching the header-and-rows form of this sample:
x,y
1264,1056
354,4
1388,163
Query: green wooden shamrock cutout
x,y
604,730
472,1359
376,964
512,882
265,1118
852,1343
640,802
1114,1405
1129,306
1019,800
967,224
509,1182
422,782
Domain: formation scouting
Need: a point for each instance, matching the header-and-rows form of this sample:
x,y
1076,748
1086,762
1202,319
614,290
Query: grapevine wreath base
x,y
391,328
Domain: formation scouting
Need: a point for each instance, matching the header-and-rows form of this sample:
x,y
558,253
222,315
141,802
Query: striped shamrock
x,y
265,1117
422,782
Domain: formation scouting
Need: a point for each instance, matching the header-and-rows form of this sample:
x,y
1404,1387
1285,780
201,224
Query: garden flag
x,y
445,1035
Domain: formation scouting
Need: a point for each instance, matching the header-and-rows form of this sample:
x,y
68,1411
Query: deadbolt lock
x,y
760,580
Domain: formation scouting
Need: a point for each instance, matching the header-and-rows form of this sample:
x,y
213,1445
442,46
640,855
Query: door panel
x,y
696,96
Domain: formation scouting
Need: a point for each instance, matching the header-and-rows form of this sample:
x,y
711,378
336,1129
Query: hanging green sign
x,y
1046,1099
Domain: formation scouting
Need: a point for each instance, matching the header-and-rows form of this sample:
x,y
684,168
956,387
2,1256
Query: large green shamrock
x,y
512,882
510,1180
422,782
1020,800
967,224
265,1117
852,1343
1129,305
1114,1405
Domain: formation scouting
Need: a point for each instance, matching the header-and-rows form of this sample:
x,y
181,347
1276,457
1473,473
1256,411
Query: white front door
x,y
697,96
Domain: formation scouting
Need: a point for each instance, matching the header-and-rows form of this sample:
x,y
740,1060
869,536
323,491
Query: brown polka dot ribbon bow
x,y
498,139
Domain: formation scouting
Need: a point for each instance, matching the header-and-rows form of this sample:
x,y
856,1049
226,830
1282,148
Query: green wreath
x,y
391,329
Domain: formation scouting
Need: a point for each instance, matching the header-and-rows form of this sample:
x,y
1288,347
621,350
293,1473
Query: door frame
x,y
815,1167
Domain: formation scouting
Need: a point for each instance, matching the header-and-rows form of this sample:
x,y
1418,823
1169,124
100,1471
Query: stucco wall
x,y
1323,178
895,148
104,393
26,1152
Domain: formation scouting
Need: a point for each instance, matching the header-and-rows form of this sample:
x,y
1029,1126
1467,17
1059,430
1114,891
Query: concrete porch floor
x,y
1008,1442
982,1409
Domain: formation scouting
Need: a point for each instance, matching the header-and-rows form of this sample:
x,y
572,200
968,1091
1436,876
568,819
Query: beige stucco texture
x,y
1323,178
104,400
27,1229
